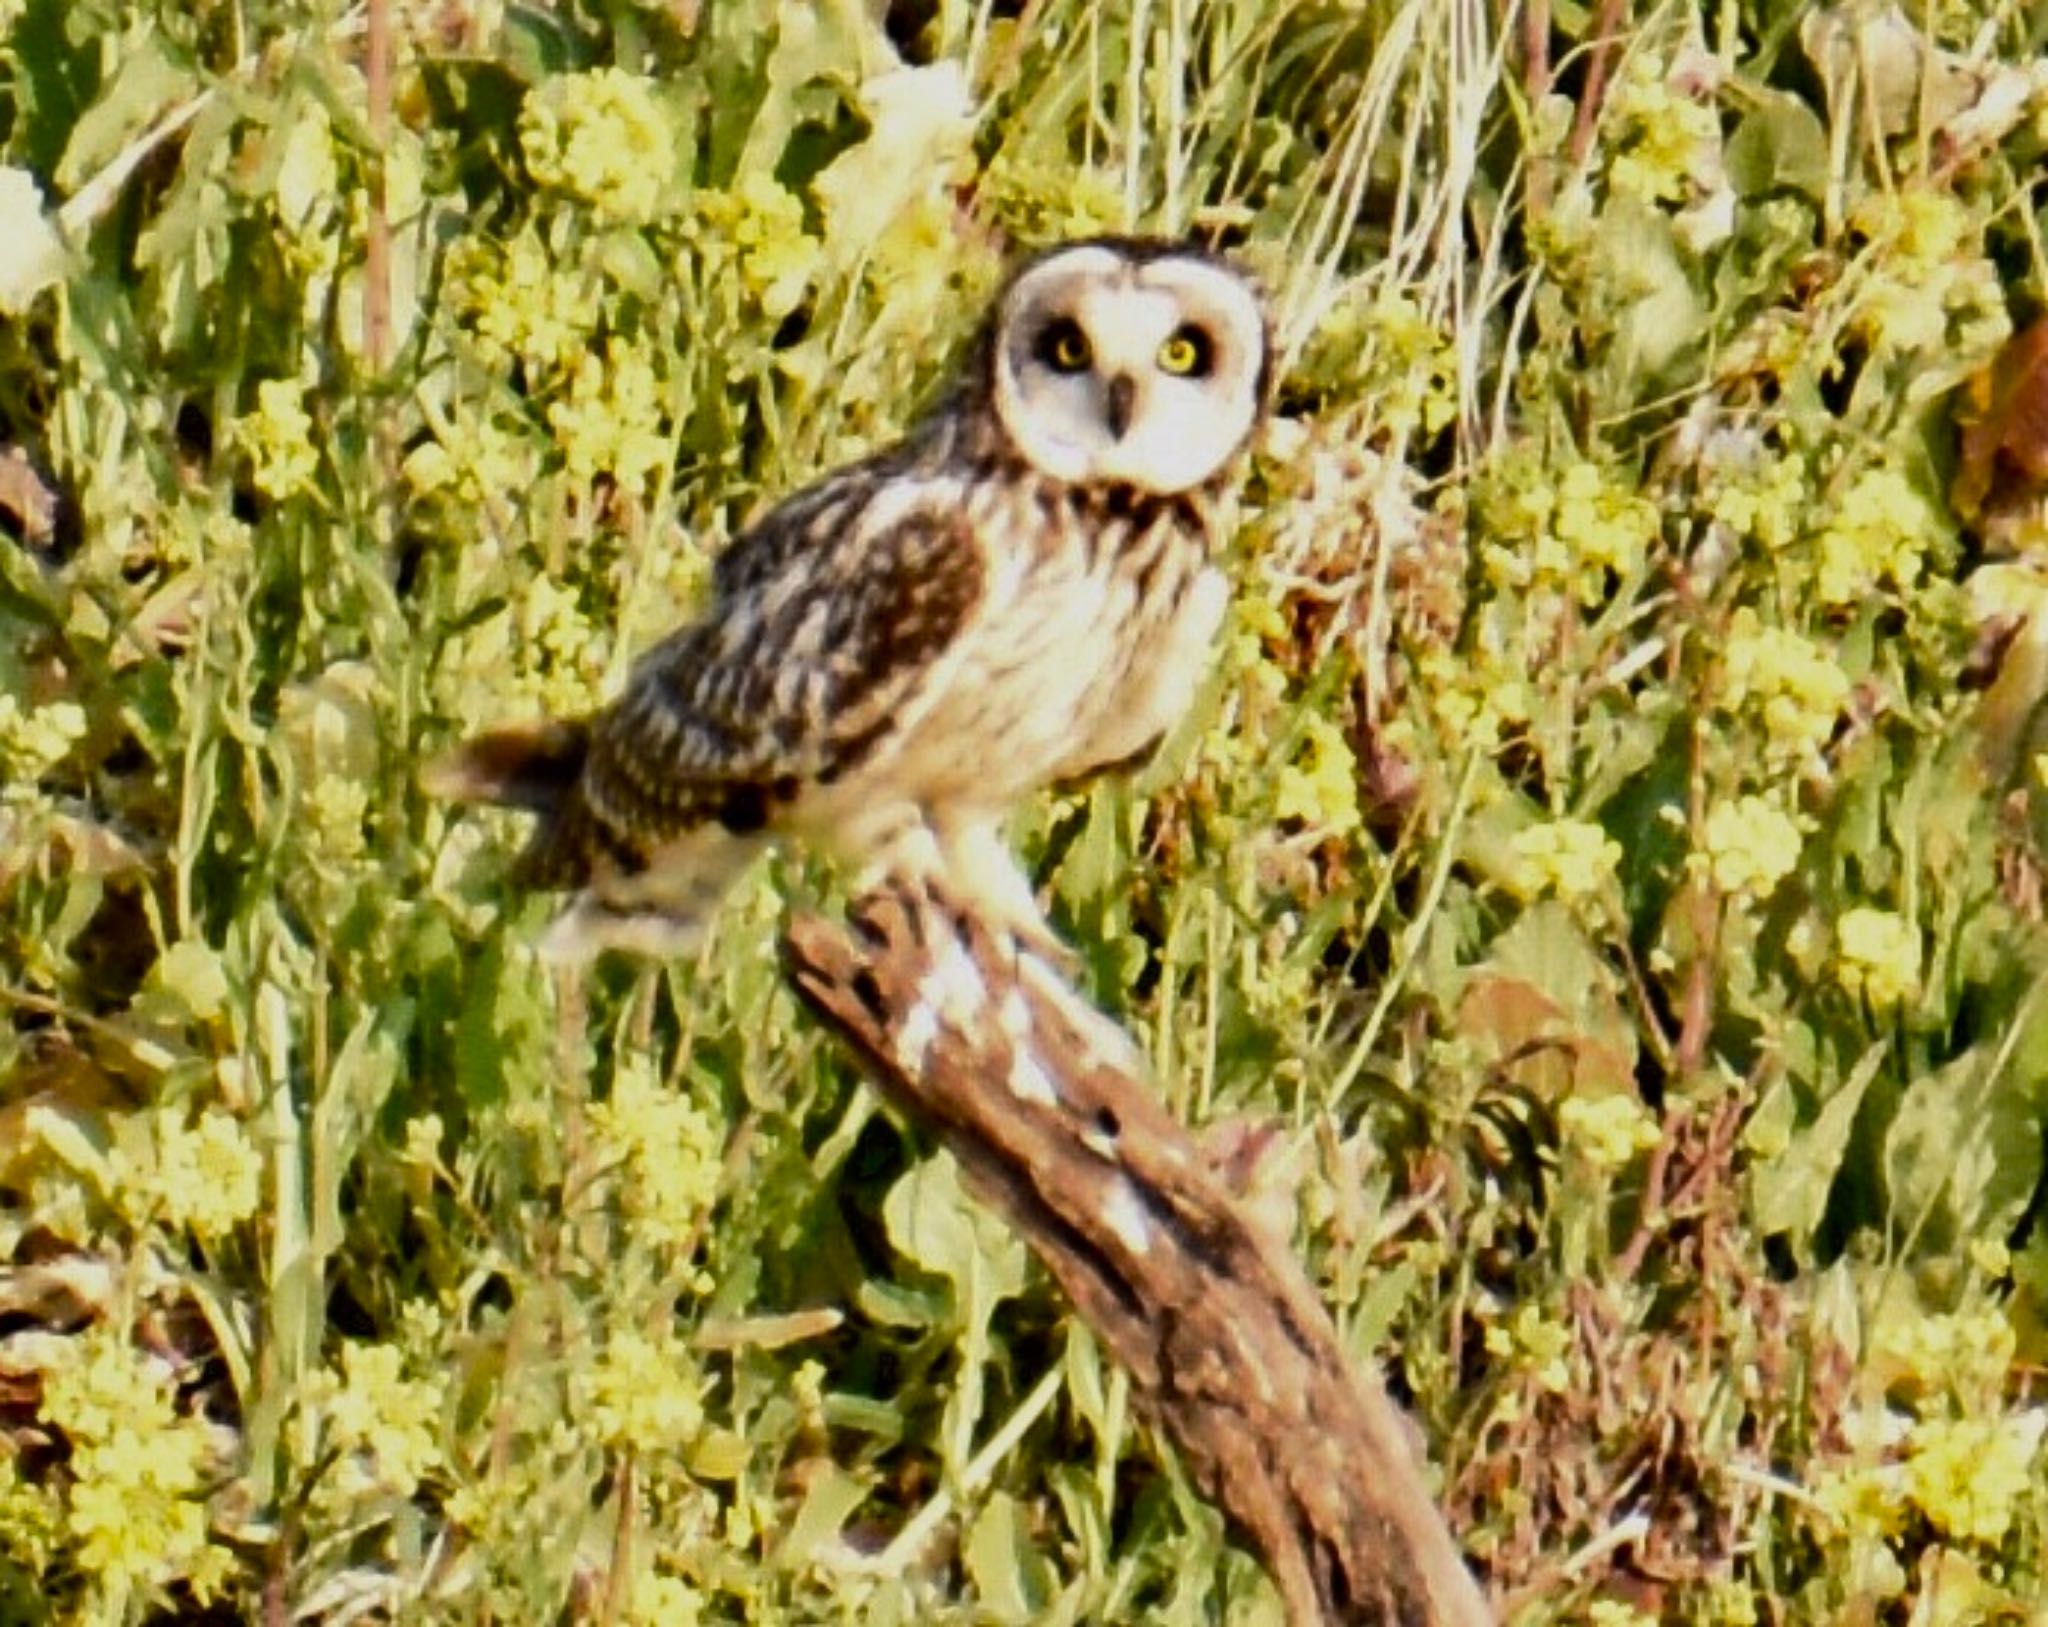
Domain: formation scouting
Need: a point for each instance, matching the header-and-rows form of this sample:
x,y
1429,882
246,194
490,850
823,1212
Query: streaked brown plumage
x,y
1018,593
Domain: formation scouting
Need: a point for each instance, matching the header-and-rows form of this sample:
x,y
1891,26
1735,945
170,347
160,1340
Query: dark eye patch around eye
x,y
1062,346
1192,334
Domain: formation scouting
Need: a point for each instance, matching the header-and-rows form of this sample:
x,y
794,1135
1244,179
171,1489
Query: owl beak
x,y
1122,396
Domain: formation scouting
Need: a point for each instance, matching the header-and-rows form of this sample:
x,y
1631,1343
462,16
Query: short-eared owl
x,y
1020,592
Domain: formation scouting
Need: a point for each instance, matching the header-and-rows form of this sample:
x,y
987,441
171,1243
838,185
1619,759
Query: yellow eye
x,y
1067,348
1185,353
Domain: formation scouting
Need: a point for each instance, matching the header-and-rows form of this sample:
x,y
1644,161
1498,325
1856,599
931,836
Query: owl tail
x,y
535,766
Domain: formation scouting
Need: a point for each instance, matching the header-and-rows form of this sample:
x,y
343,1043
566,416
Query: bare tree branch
x,y
1042,1100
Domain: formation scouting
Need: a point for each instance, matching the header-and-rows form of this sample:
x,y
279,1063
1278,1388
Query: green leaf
x,y
188,983
932,1221
144,86
1789,1191
1008,1571
1662,314
1963,1154
829,1501
1780,145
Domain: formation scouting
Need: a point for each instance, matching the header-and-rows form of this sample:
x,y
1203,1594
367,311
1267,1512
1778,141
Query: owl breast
x,y
1097,628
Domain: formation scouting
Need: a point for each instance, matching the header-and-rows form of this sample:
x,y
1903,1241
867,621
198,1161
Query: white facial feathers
x,y
1114,367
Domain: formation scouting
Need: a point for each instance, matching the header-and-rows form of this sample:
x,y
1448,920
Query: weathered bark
x,y
1042,1100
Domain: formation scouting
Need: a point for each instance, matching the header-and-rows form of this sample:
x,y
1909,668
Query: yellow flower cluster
x,y
135,1512
1615,1613
1320,787
1045,202
615,418
278,437
1667,140
666,1151
1929,269
1764,502
1607,1131
600,137
1797,686
1964,1352
1749,845
32,742
486,463
31,1522
558,643
1878,534
643,1391
518,303
763,223
1572,858
335,811
1879,956
1574,533
386,1426
1537,1343
1969,1475
206,1177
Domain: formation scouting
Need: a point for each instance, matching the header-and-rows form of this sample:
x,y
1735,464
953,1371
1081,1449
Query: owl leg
x,y
663,911
978,862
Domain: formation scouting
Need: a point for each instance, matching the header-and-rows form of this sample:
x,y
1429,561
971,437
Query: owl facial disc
x,y
1118,367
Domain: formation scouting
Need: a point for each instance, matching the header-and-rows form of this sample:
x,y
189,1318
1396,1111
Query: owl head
x,y
1128,361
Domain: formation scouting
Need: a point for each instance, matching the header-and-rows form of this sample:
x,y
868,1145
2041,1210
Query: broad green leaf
x,y
1780,144
1788,1192
1010,1574
147,82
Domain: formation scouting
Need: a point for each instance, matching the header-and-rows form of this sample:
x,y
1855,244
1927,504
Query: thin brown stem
x,y
1605,42
377,248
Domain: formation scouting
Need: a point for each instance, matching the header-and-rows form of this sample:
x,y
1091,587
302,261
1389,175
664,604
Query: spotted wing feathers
x,y
825,619
792,680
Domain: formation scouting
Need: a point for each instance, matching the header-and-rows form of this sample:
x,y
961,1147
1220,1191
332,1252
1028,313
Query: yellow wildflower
x,y
1868,1498
278,436
601,137
1607,1131
1320,788
1879,956
614,419
205,1178
1878,535
519,304
1966,1352
1930,275
666,1151
1794,684
1570,857
1763,500
1749,845
32,742
1667,140
385,1425
1572,532
765,223
643,1391
1968,1476
31,1519
1536,1343
664,1601
135,1512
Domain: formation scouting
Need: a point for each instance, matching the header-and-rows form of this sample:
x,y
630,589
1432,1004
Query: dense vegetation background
x,y
1589,855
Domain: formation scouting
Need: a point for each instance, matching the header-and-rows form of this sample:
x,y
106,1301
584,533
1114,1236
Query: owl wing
x,y
825,620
